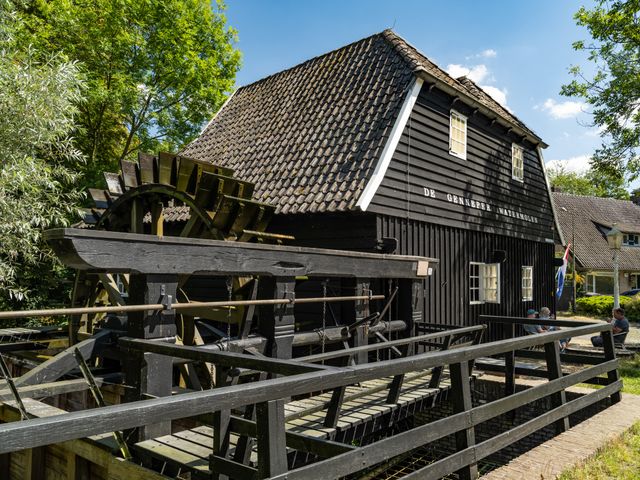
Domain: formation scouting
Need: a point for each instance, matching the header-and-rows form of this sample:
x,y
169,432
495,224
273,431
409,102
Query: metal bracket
x,y
165,299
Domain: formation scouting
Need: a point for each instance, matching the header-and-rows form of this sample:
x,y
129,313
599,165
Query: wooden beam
x,y
554,370
63,362
120,252
461,399
225,359
56,388
29,433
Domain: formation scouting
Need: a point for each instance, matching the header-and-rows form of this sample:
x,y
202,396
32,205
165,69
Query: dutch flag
x,y
562,272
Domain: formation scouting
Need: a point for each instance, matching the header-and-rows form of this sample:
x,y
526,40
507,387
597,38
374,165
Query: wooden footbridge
x,y
292,382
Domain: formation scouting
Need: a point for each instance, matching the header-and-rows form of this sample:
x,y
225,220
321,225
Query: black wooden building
x,y
373,141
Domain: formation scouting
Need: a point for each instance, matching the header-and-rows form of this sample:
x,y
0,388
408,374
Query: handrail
x,y
538,321
38,432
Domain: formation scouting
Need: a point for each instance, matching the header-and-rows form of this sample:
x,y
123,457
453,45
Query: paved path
x,y
570,448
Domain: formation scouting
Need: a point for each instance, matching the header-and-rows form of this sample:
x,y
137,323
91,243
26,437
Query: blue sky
x,y
519,51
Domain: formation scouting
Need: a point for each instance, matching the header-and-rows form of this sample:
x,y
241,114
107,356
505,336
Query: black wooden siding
x,y
447,290
422,160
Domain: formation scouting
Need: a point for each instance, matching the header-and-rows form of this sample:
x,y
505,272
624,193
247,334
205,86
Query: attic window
x,y
458,135
630,240
517,162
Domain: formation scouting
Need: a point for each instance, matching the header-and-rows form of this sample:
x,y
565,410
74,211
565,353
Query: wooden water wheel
x,y
170,195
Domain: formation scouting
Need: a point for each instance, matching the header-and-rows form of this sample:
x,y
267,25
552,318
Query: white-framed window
x,y
599,283
474,283
484,282
527,284
630,240
517,162
458,135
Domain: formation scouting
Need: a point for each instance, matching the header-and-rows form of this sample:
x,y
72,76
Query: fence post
x,y
462,402
610,354
270,435
510,364
554,371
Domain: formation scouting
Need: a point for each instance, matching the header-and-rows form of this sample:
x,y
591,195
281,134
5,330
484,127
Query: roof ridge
x,y
567,194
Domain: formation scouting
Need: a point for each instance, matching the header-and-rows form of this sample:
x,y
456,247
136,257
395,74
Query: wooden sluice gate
x,y
256,395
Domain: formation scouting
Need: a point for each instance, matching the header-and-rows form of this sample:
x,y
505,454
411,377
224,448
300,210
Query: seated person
x,y
620,326
545,313
532,328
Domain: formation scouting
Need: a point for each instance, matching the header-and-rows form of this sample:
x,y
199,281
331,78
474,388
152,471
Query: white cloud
x,y
595,132
477,73
488,53
578,164
562,110
499,95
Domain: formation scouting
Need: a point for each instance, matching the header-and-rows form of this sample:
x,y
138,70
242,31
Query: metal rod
x,y
97,396
177,306
14,391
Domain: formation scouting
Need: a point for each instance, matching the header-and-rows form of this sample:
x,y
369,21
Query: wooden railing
x,y
300,377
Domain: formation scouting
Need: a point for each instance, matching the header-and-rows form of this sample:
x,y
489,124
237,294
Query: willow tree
x,y
156,70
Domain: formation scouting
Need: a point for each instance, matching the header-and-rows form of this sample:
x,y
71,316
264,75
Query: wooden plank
x,y
114,184
63,362
166,168
187,174
148,166
129,174
107,251
232,469
226,359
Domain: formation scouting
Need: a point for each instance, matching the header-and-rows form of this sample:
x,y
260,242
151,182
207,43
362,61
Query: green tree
x,y
38,104
613,90
155,69
593,182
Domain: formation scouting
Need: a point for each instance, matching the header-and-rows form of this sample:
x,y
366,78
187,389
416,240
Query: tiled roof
x,y
309,137
587,219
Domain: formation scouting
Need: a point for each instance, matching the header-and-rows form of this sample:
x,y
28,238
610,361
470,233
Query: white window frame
x,y
475,299
527,283
517,171
625,240
482,289
462,155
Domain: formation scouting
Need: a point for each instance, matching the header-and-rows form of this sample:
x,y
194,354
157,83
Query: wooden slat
x,y
166,168
148,166
187,175
129,174
99,197
114,184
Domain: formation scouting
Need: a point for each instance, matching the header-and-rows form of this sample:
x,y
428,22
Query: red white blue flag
x,y
562,272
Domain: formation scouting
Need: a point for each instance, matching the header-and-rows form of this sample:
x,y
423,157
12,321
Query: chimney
x,y
557,189
635,196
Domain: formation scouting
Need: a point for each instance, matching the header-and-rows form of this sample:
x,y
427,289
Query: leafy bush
x,y
602,305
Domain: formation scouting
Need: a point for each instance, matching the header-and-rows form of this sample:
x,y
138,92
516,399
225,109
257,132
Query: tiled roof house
x,y
373,145
585,222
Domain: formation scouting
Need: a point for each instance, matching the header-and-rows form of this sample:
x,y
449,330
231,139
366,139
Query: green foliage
x,y
155,69
613,90
38,104
594,183
601,306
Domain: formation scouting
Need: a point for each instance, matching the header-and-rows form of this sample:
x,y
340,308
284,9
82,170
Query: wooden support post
x,y
5,465
554,370
410,305
509,364
277,322
271,438
35,463
221,422
396,383
353,312
436,373
461,400
610,354
150,373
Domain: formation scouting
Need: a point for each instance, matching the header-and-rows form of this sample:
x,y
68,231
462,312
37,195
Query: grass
x,y
621,458
618,460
